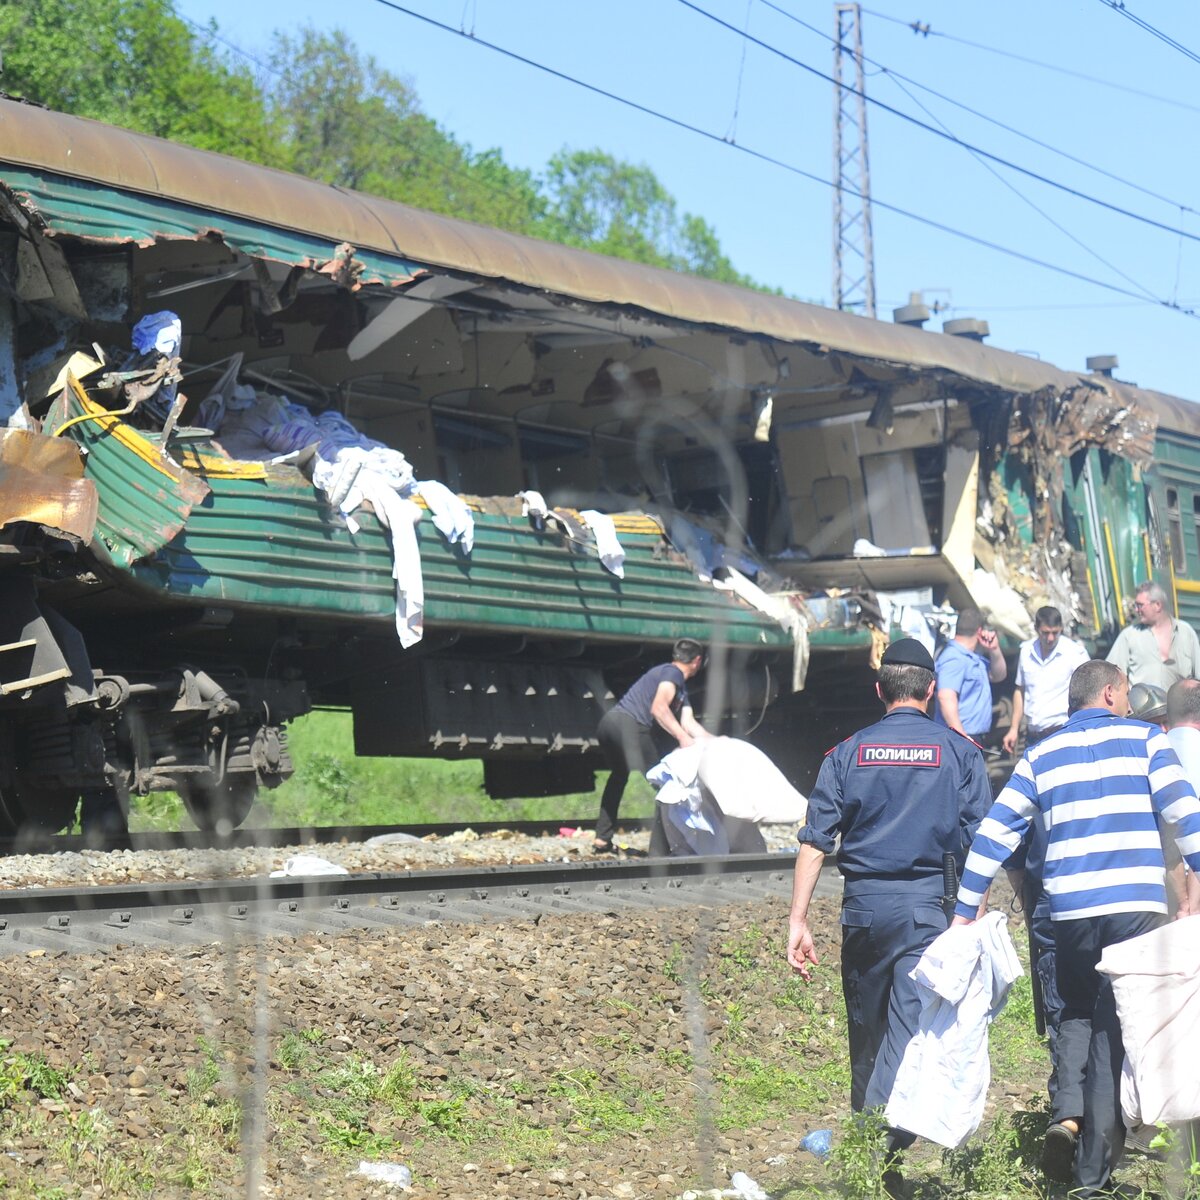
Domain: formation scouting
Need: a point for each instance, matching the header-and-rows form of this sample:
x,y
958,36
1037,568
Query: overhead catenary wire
x,y
1012,187
761,156
925,30
941,133
884,69
1118,6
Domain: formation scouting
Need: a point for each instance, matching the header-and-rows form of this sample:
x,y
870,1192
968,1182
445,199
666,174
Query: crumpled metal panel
x,y
1059,424
42,482
144,497
138,187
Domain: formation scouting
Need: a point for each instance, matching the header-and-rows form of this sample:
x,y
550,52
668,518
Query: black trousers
x,y
886,927
628,746
1090,1048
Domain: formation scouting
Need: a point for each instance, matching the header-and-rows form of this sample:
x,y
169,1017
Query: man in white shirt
x,y
1044,669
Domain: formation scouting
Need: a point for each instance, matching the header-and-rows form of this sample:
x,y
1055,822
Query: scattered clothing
x,y
400,517
451,516
533,506
158,333
607,546
779,608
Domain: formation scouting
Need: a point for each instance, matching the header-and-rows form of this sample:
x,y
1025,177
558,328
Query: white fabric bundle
x,y
1156,982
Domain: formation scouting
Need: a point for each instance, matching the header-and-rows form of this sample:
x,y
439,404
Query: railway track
x,y
39,842
91,919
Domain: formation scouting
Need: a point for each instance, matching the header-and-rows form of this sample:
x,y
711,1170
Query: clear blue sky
x,y
776,226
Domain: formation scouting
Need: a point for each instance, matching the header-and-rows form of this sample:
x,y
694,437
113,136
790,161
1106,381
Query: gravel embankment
x,y
569,1056
394,853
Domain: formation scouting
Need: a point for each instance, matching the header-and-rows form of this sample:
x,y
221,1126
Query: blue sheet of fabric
x,y
154,332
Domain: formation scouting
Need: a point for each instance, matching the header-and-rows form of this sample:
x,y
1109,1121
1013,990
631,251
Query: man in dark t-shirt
x,y
640,728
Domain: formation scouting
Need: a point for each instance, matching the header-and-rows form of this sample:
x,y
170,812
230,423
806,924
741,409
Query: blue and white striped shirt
x,y
1102,787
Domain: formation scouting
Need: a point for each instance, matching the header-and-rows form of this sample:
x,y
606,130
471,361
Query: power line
x,y
1040,211
996,158
1119,6
767,158
1040,307
923,29
894,74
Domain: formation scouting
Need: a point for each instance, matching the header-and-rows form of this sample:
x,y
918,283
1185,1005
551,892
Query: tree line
x,y
319,106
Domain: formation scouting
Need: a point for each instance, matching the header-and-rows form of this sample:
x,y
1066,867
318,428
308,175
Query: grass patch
x,y
28,1073
1004,1162
754,1090
601,1108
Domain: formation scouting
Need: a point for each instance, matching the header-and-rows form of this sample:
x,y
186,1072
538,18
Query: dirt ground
x,y
624,1055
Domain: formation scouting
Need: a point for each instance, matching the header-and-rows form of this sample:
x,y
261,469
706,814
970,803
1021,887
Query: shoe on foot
x,y
1138,1139
1058,1152
893,1183
600,846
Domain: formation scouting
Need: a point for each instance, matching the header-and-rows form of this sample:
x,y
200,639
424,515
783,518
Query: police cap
x,y
910,651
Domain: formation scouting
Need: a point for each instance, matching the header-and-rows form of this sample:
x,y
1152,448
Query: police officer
x,y
902,794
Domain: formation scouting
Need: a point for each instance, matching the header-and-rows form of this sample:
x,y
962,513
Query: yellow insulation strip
x,y
210,465
1112,562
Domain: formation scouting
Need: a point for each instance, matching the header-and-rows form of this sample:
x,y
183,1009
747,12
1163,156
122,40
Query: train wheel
x,y
221,808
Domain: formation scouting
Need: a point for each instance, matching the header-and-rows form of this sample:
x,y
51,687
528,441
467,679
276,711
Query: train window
x,y
1175,530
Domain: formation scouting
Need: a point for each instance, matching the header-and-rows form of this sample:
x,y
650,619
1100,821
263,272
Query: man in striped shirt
x,y
1099,787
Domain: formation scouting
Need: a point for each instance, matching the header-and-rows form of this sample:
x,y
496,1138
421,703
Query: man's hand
x,y
1010,740
989,639
801,954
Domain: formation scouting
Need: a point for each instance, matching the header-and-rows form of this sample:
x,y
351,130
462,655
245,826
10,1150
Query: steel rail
x,y
96,919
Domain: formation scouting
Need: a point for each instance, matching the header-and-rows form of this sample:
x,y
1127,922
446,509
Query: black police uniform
x,y
901,794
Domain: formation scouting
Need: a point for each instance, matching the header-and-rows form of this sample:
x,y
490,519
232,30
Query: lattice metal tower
x,y
853,249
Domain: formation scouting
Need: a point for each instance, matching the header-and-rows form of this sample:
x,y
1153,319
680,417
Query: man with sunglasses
x,y
1159,649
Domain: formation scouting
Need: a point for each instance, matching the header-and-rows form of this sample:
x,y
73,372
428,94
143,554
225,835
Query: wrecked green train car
x,y
468,485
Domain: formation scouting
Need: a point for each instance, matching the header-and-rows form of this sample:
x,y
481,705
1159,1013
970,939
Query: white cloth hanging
x,y
533,504
964,978
400,516
451,516
605,533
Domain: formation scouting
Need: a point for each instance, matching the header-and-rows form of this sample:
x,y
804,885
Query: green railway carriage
x,y
1173,513
786,483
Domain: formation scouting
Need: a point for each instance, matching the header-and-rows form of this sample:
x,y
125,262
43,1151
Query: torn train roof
x,y
75,176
